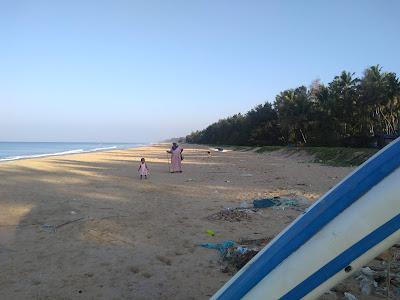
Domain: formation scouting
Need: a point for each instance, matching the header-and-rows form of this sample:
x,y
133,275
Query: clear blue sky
x,y
147,70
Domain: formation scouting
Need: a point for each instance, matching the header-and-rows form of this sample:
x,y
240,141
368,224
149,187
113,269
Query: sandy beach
x,y
85,226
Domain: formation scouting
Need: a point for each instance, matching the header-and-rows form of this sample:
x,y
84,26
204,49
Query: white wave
x,y
10,158
103,148
42,155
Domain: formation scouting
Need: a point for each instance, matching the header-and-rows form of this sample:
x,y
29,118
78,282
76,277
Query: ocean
x,y
22,150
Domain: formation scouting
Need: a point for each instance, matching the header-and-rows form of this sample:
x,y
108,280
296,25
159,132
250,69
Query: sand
x,y
133,239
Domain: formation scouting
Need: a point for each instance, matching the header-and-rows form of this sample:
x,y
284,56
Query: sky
x,y
144,71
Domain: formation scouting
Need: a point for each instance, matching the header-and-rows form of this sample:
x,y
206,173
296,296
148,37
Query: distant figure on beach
x,y
143,169
176,158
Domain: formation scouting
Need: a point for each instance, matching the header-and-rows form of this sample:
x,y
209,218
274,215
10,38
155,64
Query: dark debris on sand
x,y
235,257
233,214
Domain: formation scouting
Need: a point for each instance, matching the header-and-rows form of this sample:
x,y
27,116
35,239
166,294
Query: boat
x,y
346,228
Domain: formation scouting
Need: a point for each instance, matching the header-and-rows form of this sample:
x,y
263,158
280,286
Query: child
x,y
143,169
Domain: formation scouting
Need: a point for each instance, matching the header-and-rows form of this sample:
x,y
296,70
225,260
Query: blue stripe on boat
x,y
331,205
344,259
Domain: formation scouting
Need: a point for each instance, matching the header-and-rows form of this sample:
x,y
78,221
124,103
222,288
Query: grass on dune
x,y
332,156
338,156
268,149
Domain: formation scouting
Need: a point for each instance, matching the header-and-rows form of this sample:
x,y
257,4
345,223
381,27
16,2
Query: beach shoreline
x,y
98,147
86,225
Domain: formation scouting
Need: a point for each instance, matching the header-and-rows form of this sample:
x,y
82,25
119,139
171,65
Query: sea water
x,y
22,150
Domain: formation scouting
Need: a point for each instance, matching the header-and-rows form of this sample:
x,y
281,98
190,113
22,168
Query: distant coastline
x,y
10,151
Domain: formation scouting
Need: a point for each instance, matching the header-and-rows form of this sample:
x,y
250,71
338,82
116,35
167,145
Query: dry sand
x,y
135,239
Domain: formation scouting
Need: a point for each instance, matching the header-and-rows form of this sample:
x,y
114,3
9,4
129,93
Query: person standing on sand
x,y
176,158
143,169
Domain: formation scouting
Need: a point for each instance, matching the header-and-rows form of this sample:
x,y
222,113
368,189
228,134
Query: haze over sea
x,y
21,150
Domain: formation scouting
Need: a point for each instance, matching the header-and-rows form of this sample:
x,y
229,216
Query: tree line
x,y
348,111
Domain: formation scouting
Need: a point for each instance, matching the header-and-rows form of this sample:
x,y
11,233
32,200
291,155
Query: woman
x,y
176,158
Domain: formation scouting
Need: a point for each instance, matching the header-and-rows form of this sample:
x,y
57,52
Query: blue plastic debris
x,y
266,202
221,247
279,202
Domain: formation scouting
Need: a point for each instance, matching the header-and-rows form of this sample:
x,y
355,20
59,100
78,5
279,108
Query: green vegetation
x,y
332,156
268,149
241,148
347,112
337,156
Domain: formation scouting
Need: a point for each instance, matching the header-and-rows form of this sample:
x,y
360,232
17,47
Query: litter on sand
x,y
234,255
221,247
210,232
280,202
233,214
266,202
248,209
349,296
275,201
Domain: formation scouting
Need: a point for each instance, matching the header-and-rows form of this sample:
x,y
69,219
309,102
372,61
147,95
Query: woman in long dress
x,y
176,158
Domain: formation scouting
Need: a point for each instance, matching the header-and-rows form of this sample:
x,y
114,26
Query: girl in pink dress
x,y
176,158
143,169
